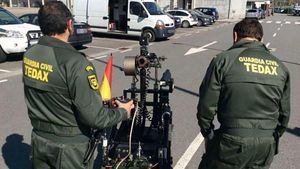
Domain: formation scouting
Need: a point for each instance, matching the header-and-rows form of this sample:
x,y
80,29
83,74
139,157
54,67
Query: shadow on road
x,y
14,57
115,36
123,37
16,153
295,131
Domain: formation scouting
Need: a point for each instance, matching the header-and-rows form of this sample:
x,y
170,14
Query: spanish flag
x,y
105,87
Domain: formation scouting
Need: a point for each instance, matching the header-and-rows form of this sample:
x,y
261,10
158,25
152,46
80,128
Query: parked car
x,y
280,10
15,36
187,19
209,11
177,20
296,11
82,33
203,14
253,13
262,13
203,20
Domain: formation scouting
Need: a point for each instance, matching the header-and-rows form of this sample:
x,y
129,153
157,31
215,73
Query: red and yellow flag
x,y
105,87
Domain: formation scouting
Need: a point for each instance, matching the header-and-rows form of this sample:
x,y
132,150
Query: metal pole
x,y
43,2
229,8
10,3
28,3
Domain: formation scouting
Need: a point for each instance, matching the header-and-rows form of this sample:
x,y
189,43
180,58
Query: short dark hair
x,y
249,27
53,17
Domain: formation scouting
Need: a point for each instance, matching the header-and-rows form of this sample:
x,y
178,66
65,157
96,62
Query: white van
x,y
129,17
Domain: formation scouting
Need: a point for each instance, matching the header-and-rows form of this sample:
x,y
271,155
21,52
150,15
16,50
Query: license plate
x,y
34,35
81,31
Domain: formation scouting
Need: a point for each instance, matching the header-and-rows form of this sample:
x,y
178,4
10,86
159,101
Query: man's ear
x,y
235,37
70,26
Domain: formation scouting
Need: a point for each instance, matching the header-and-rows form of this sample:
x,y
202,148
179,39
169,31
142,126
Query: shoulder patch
x,y
93,82
89,68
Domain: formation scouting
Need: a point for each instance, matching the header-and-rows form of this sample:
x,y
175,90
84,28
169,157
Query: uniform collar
x,y
53,42
246,43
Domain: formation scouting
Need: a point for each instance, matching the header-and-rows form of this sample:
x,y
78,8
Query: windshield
x,y
7,18
193,13
153,8
252,10
199,12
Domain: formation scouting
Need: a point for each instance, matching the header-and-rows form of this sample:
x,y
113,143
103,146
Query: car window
x,y
204,10
179,13
7,18
172,12
135,8
25,18
152,8
35,20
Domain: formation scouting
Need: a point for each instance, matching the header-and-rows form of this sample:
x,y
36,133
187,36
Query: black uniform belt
x,y
56,129
247,132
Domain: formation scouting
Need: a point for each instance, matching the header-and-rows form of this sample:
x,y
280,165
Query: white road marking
x,y
99,57
189,153
188,34
200,49
13,73
111,39
297,23
4,80
99,47
274,34
278,22
278,29
260,21
268,44
3,70
287,22
269,21
127,50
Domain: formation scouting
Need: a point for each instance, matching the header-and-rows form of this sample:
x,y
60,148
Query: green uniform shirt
x,y
247,87
62,91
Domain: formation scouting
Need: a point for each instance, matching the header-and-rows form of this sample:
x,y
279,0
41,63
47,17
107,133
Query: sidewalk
x,y
18,11
229,20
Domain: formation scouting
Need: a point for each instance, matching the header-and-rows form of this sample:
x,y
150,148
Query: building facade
x,y
228,9
28,3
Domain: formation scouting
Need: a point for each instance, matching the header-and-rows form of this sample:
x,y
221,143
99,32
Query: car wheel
x,y
150,34
185,24
2,55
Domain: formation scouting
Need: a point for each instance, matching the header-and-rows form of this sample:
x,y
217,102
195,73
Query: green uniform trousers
x,y
226,151
47,154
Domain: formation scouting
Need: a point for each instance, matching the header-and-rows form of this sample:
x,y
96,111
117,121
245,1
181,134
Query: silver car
x,y
253,13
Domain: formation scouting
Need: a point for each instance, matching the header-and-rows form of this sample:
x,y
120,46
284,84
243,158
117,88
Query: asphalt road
x,y
188,68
